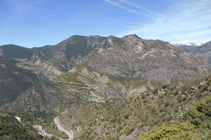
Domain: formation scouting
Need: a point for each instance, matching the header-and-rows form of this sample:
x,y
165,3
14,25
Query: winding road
x,y
61,128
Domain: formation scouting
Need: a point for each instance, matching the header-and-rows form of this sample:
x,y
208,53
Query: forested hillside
x,y
14,80
11,129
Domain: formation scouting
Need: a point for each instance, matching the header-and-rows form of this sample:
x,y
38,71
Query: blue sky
x,y
35,23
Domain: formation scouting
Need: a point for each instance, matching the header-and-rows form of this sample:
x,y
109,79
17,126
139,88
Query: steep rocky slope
x,y
132,65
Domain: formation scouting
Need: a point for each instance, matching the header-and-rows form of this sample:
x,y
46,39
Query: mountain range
x,y
107,68
73,76
189,45
204,51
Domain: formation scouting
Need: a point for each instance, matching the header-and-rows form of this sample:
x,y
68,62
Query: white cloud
x,y
126,26
185,20
139,7
128,9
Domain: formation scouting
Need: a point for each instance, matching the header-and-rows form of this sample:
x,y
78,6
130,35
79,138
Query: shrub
x,y
165,86
169,118
179,98
155,91
205,88
199,95
166,104
127,116
172,132
130,130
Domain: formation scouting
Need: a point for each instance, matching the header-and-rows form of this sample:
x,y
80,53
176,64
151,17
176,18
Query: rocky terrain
x,y
105,87
100,69
133,117
125,67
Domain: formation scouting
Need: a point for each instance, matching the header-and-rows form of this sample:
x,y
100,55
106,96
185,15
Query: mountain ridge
x,y
107,68
189,45
109,87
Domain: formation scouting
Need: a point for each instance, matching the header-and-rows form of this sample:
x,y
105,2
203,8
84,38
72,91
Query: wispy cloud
x,y
125,8
139,7
184,20
127,26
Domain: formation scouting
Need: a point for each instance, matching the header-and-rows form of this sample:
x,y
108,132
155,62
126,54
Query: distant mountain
x,y
31,59
204,51
203,48
189,45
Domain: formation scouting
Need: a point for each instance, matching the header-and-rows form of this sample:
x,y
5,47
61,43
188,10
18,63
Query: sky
x,y
35,23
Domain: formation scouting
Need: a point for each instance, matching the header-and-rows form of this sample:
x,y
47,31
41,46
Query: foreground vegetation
x,y
162,112
11,129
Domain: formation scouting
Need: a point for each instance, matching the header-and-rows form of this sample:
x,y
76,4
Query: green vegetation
x,y
127,117
2,114
14,80
14,51
171,132
78,47
11,129
200,117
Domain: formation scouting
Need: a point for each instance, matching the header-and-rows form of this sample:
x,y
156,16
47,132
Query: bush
x,y
176,110
130,130
198,94
200,116
169,118
172,132
205,88
145,101
166,104
155,91
179,98
127,116
164,86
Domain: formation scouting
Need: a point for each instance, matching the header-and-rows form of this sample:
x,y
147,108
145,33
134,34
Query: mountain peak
x,y
132,36
189,43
